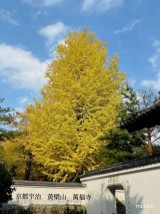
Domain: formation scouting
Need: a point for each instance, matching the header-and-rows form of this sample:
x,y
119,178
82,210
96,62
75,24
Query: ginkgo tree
x,y
80,103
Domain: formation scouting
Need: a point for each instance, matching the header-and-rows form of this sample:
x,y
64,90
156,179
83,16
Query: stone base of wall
x,y
43,209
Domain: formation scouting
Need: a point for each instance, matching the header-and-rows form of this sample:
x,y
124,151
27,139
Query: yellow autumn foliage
x,y
16,153
79,104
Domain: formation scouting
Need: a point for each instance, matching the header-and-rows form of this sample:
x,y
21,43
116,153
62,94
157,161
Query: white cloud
x,y
23,100
21,68
129,27
154,60
88,4
39,13
155,84
100,5
46,3
132,82
54,35
7,16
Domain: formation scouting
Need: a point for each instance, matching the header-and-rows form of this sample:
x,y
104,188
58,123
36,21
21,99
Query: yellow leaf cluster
x,y
15,153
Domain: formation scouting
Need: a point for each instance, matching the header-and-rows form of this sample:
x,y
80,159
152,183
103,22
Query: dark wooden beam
x,y
150,117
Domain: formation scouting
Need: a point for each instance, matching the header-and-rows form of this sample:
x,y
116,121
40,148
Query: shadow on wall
x,y
43,209
139,206
109,206
137,200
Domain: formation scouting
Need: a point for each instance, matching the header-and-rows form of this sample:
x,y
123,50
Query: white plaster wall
x,y
145,190
26,195
141,186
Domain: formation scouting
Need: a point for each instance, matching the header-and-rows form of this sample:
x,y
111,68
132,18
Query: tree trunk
x,y
28,166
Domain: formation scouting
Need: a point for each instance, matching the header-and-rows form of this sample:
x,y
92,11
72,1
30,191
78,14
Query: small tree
x,y
6,181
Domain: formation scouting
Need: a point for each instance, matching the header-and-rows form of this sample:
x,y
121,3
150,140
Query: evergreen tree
x,y
6,177
129,105
119,144
130,109
6,181
117,147
6,118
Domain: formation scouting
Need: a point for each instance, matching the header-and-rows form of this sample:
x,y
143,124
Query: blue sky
x,y
31,29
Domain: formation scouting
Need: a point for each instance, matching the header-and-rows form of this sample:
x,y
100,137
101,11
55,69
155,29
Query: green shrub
x,y
6,181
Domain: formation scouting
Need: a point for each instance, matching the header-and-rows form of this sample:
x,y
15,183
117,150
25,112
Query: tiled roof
x,y
124,165
45,184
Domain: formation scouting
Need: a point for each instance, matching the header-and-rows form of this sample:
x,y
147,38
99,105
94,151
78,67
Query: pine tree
x,y
119,144
6,176
79,104
6,118
129,105
117,147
